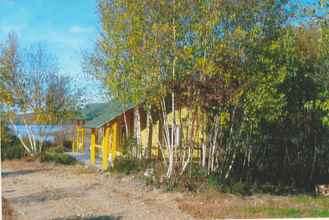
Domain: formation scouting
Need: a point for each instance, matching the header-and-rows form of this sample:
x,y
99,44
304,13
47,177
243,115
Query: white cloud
x,y
79,29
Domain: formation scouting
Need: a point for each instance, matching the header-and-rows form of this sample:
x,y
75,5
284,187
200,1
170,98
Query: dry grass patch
x,y
7,211
24,164
82,169
214,204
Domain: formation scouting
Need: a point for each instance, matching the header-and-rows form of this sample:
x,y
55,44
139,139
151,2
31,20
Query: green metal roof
x,y
91,111
102,113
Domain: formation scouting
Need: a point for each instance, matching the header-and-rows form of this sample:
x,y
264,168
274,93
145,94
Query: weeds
x,y
57,155
132,166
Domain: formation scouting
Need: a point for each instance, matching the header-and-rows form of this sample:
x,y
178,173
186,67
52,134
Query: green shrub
x,y
12,151
274,189
212,181
57,155
194,179
58,149
127,166
240,188
170,186
10,146
128,146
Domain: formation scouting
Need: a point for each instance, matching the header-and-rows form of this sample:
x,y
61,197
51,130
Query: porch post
x,y
105,162
73,138
114,139
77,137
92,147
83,140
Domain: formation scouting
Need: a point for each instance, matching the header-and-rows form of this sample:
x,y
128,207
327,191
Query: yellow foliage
x,y
224,118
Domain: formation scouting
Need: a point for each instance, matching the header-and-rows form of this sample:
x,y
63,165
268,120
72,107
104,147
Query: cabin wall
x,y
109,140
157,130
117,128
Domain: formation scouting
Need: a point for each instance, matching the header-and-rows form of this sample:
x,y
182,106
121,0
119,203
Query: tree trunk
x,y
213,145
126,124
137,132
204,152
167,138
149,127
172,144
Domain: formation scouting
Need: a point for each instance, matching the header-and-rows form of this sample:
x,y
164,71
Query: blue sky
x,y
66,27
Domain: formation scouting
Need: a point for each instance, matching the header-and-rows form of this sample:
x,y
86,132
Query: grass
x,y
211,201
214,204
276,212
273,212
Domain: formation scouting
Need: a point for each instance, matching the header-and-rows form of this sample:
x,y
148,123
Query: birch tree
x,y
39,95
233,66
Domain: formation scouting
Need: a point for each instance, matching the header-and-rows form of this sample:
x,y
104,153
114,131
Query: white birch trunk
x,y
213,145
172,145
148,144
167,139
204,152
187,161
137,132
231,165
25,146
33,146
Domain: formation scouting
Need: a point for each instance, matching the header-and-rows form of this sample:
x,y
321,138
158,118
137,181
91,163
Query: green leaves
x,y
257,71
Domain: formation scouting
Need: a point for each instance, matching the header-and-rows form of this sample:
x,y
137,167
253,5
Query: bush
x,y
129,145
127,166
195,179
10,146
9,152
240,188
276,189
57,155
212,181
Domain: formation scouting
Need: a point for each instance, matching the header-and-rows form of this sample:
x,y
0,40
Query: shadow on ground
x,y
19,173
104,217
48,195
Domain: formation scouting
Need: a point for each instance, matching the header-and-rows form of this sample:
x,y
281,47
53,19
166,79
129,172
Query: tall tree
x,y
37,92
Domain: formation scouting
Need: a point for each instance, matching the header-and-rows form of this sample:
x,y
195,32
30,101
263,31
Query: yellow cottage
x,y
105,125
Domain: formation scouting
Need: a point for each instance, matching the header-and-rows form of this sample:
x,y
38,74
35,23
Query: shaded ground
x,y
45,191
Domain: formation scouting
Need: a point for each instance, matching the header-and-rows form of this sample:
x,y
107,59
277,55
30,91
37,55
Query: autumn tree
x,y
251,74
36,93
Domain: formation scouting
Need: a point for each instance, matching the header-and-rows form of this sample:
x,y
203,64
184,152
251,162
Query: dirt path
x,y
44,191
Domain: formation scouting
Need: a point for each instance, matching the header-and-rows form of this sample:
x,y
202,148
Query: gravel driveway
x,y
46,191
